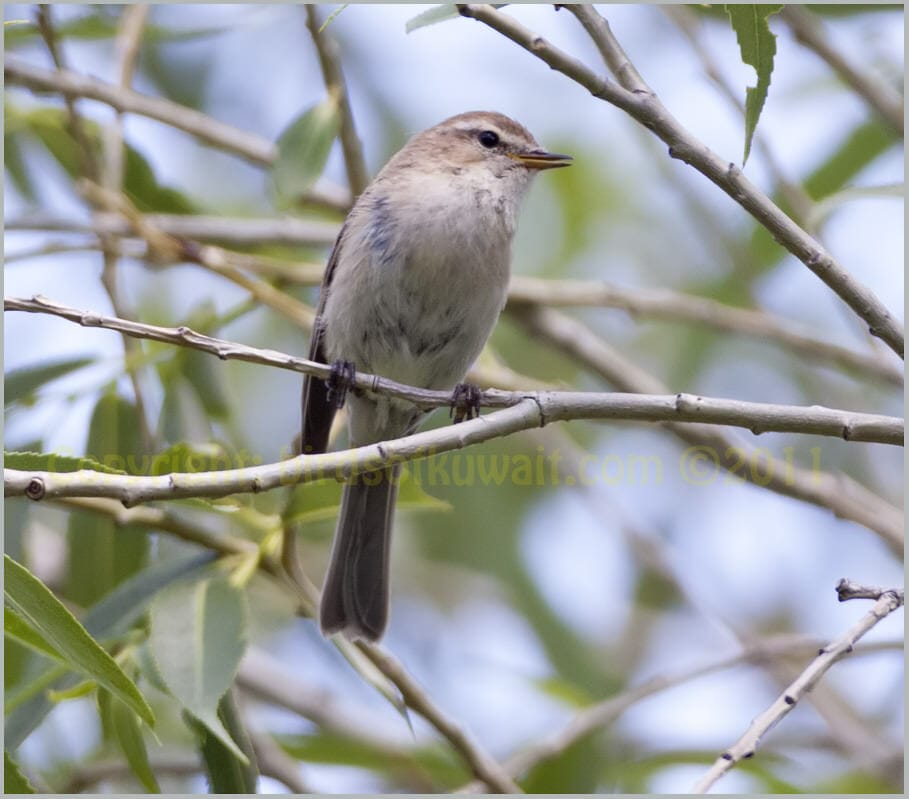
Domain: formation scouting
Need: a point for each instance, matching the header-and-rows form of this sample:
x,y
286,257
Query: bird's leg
x,y
465,402
339,382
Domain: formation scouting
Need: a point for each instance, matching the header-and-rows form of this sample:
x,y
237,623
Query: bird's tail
x,y
355,594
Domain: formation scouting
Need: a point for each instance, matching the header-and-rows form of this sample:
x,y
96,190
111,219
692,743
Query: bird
x,y
412,291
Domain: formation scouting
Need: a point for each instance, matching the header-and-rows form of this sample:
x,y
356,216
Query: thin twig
x,y
838,493
233,230
481,764
553,405
204,127
846,589
274,762
164,247
85,152
665,304
645,107
690,23
747,745
607,712
884,99
128,41
330,62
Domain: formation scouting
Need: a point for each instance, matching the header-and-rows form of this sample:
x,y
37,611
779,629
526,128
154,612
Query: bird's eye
x,y
489,138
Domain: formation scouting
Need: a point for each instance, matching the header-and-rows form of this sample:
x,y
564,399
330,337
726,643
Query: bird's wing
x,y
318,412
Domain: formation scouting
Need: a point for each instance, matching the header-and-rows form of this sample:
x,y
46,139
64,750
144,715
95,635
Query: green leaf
x,y
17,629
314,502
227,773
127,732
37,606
49,127
52,462
111,617
198,635
303,150
14,162
103,554
822,210
758,47
20,385
124,606
95,26
142,187
14,781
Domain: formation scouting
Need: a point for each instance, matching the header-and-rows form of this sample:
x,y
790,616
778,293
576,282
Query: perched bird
x,y
412,291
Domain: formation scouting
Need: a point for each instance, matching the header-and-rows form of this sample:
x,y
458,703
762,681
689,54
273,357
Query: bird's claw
x,y
340,381
465,402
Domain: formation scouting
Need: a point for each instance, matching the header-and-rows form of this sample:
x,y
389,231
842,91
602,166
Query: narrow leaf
x,y
436,14
17,629
431,16
758,47
198,635
103,555
111,617
226,772
20,385
303,150
14,781
52,462
127,731
38,607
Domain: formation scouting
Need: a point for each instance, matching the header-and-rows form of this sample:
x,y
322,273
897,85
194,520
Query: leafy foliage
x,y
505,611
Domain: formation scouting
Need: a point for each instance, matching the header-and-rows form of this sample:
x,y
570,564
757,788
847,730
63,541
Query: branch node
x,y
35,489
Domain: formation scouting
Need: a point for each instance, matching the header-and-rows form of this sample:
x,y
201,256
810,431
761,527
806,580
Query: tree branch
x,y
552,405
333,75
747,745
838,493
233,230
643,105
604,713
481,764
884,99
665,304
225,137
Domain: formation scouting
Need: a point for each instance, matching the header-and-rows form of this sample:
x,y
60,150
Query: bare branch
x,y
604,713
884,99
129,38
482,765
846,589
274,762
690,23
552,405
204,127
233,230
665,304
838,493
330,61
747,745
645,107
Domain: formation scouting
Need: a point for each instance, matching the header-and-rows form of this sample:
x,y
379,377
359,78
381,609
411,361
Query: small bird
x,y
412,291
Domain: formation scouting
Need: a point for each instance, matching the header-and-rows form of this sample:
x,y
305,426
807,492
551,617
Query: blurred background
x,y
514,605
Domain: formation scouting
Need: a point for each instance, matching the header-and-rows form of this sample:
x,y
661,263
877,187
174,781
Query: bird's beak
x,y
540,159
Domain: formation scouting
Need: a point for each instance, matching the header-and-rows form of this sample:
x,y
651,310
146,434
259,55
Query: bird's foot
x,y
465,402
340,381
